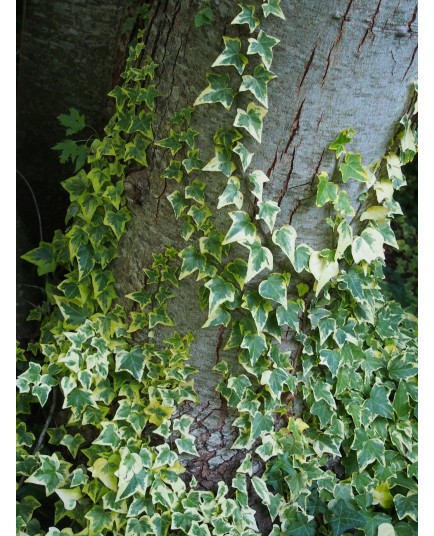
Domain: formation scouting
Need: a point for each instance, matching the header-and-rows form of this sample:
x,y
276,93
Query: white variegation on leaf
x,y
231,194
260,258
345,238
258,178
384,190
275,288
272,7
327,191
231,55
244,154
251,119
241,230
218,90
221,162
285,238
322,270
263,46
268,212
221,291
368,246
247,16
257,84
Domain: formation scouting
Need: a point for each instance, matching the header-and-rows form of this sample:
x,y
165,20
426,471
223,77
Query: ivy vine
x,y
333,423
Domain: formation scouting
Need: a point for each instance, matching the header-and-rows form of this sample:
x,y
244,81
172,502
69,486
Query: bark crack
x,y
411,61
294,210
288,178
369,30
295,128
308,64
413,18
271,168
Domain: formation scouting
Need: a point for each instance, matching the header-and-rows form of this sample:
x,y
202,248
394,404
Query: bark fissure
x,y
369,29
308,64
288,178
413,18
294,210
295,128
411,62
271,168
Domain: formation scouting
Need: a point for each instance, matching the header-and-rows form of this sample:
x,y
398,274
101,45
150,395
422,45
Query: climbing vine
x,y
332,424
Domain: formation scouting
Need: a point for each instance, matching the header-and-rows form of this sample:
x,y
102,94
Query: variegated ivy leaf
x,y
247,16
42,257
241,230
69,497
384,190
199,214
251,119
258,178
218,90
178,202
132,361
220,317
352,168
368,450
327,191
260,258
322,269
49,474
244,154
408,141
238,270
231,55
192,161
256,345
275,380
226,137
375,213
212,244
263,46
221,162
157,413
196,191
342,204
137,150
261,424
289,314
301,257
173,171
257,84
268,212
406,506
221,291
394,171
231,194
272,7
387,233
368,246
192,260
258,484
172,142
141,123
285,238
275,288
345,238
339,145
159,315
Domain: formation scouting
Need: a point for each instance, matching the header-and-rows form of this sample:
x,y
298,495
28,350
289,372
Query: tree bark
x,y
340,64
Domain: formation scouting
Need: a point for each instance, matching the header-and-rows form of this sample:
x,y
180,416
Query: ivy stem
x,y
34,201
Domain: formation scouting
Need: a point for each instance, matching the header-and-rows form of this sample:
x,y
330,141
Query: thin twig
x,y
34,201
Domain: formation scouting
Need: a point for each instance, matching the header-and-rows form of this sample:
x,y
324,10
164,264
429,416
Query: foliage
x,y
347,460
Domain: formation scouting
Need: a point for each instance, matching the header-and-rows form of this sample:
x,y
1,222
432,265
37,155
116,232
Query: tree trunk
x,y
70,55
340,64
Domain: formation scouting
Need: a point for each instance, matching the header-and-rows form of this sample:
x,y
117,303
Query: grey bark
x,y
340,64
70,55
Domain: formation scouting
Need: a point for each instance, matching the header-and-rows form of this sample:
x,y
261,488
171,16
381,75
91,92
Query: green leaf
x,y
400,402
263,46
196,191
275,288
86,261
231,55
260,258
339,145
132,361
212,244
178,202
272,7
261,424
322,270
186,444
141,123
285,238
368,246
99,520
330,358
173,171
242,229
343,518
192,260
261,489
43,257
276,380
117,220
218,90
394,171
231,194
247,16
256,345
342,204
257,84
72,443
352,168
327,191
368,450
221,162
258,178
74,122
406,506
159,315
136,150
192,161
78,399
289,315
165,456
220,292
172,142
203,17
139,527
244,154
200,215
251,119
268,212
378,402
49,474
